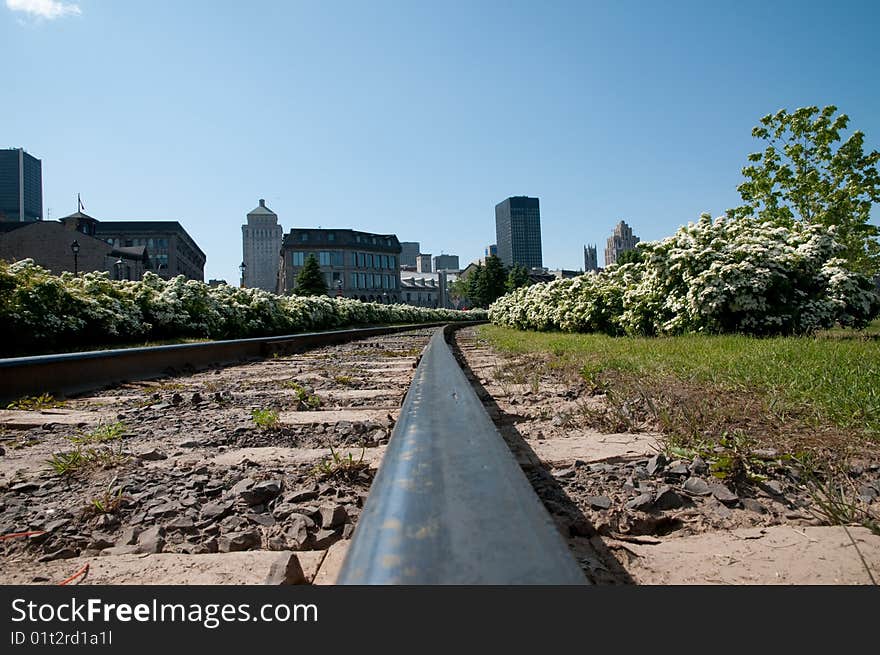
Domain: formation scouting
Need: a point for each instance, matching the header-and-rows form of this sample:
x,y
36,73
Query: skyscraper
x,y
261,246
621,240
591,259
518,231
21,186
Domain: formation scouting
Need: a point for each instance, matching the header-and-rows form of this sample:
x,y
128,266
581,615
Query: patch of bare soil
x,y
635,512
188,488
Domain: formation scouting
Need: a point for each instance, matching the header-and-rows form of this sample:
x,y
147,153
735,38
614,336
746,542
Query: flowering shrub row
x,y
722,275
41,311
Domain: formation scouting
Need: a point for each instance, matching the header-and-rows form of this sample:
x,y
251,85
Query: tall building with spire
x,y
261,249
621,240
591,259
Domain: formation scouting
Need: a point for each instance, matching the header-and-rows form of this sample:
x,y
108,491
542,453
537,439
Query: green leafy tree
x,y
494,280
805,174
517,277
475,287
310,280
631,256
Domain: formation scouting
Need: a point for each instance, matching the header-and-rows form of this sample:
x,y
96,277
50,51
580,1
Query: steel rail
x,y
69,373
450,504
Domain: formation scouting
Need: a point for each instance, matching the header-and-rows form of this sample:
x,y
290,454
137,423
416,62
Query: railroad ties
x,y
261,471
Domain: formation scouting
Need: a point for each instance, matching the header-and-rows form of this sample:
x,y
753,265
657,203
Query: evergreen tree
x,y
310,280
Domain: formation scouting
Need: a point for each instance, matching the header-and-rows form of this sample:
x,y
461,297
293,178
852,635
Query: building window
x,y
363,280
304,236
324,258
331,236
337,258
360,260
298,258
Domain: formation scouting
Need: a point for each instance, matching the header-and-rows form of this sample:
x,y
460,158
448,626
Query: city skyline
x,y
418,125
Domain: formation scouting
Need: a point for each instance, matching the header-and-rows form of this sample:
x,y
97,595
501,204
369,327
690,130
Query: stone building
x,y
591,259
621,240
355,264
261,245
172,250
51,244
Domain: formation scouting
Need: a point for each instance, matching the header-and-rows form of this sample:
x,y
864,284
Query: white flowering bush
x,y
723,275
41,311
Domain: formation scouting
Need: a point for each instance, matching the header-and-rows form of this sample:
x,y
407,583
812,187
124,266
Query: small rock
x,y
236,541
100,541
261,492
667,499
564,473
347,530
774,487
753,506
61,553
196,398
301,495
181,524
151,540
326,538
24,487
286,570
152,455
129,536
333,516
697,486
640,473
699,466
656,463
266,520
213,511
724,494
120,550
678,468
641,502
599,502
176,398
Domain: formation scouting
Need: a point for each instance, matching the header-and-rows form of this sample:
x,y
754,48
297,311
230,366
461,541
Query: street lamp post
x,y
242,267
118,266
339,287
74,247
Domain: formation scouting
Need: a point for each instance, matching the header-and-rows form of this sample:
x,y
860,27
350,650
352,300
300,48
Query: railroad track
x,y
219,475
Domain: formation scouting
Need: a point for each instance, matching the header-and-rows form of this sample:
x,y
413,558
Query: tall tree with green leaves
x,y
475,287
517,277
310,280
805,174
495,280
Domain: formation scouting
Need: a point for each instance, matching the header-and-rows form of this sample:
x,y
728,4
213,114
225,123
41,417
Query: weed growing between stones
x,y
265,418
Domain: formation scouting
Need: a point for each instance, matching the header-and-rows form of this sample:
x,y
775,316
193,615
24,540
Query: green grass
x,y
265,418
36,403
831,379
103,432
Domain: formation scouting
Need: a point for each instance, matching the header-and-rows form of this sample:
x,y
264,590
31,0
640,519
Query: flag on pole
x,y
79,203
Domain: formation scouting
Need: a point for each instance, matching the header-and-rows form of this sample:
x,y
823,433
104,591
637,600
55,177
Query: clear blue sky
x,y
416,118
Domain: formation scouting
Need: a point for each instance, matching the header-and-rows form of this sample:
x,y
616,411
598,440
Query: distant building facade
x,y
591,259
621,240
261,248
172,251
409,251
423,263
446,263
51,244
21,186
490,250
355,264
518,232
